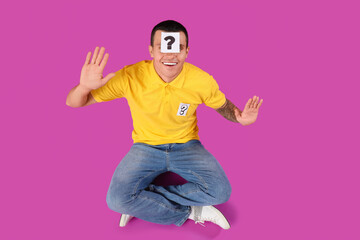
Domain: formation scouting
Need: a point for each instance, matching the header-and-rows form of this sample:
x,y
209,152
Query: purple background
x,y
294,173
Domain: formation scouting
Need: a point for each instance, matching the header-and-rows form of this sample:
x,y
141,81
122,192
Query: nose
x,y
170,54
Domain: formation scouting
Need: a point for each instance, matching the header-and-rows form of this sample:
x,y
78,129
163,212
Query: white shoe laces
x,y
211,214
199,219
200,222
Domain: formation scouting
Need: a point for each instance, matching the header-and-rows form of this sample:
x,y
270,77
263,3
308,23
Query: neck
x,y
166,79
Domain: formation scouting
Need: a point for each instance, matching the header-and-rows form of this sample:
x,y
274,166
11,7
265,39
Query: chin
x,y
173,72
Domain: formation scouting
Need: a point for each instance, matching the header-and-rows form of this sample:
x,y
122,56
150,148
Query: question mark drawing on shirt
x,y
172,40
183,109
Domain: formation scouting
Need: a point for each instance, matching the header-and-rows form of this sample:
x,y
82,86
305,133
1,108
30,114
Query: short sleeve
x,y
114,88
214,97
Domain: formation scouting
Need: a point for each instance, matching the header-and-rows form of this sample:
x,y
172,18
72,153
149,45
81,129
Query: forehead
x,y
157,37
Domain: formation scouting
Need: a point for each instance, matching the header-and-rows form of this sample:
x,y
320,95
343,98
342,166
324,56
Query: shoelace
x,y
199,219
213,220
200,222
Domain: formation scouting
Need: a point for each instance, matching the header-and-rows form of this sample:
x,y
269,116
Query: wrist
x,y
83,89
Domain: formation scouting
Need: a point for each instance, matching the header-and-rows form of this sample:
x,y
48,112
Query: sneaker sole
x,y
124,220
223,217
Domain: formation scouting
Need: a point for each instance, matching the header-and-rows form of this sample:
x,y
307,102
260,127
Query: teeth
x,y
171,64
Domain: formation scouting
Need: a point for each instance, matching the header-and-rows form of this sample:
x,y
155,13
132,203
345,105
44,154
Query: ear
x,y
187,51
151,51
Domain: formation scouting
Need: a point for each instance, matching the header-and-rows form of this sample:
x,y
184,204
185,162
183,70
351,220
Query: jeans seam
x,y
167,161
190,192
201,179
161,204
162,191
138,183
182,221
182,194
198,176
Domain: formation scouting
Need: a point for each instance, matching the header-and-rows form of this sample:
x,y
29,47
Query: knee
x,y
226,192
118,201
222,192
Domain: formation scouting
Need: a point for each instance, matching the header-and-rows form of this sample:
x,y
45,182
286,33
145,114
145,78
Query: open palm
x,y
250,112
92,71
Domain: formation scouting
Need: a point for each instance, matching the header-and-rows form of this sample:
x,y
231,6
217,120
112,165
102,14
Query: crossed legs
x,y
131,191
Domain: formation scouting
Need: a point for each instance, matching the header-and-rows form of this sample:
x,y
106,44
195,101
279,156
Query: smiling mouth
x,y
169,63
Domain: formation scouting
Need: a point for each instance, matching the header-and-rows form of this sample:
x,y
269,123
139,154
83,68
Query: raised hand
x,y
92,72
250,112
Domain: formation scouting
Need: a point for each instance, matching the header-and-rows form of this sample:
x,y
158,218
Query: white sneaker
x,y
124,220
208,213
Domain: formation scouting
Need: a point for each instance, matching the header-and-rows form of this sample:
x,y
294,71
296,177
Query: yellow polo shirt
x,y
162,112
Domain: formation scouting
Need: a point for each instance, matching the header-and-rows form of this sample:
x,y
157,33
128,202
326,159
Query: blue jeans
x,y
131,190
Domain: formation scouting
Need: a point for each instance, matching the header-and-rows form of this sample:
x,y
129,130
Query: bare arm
x,y
79,97
91,78
245,117
228,111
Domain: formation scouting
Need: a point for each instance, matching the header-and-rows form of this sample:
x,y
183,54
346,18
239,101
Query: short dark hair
x,y
169,26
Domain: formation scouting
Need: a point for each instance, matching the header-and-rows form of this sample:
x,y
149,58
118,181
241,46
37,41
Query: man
x,y
163,95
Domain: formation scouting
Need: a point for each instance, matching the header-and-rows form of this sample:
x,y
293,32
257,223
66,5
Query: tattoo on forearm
x,y
228,111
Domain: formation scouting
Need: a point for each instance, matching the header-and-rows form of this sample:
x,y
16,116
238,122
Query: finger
x,y
247,106
253,102
256,102
100,56
104,61
261,101
88,56
108,77
93,60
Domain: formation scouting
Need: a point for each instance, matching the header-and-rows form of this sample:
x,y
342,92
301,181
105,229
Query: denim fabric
x,y
131,190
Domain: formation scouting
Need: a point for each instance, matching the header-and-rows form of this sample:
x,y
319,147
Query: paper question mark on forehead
x,y
170,42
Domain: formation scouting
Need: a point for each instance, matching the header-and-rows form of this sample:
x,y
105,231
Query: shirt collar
x,y
155,79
